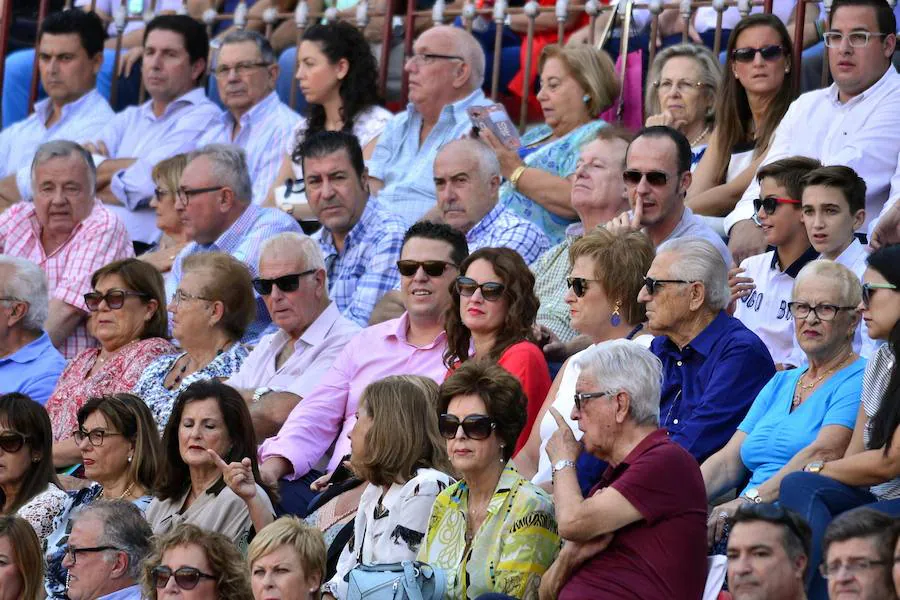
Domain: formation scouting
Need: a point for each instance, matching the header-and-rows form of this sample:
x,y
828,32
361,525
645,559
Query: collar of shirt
x,y
509,478
132,591
455,110
834,92
809,255
486,222
848,256
36,227
318,330
195,96
43,108
574,231
400,333
369,221
256,111
234,235
653,440
30,351
703,342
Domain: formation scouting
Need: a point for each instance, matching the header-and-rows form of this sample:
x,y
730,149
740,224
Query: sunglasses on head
x,y
769,53
490,290
115,299
653,285
869,288
476,427
433,268
186,578
770,203
285,283
12,441
654,178
579,285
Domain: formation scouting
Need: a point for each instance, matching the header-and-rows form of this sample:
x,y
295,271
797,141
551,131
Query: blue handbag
x,y
407,580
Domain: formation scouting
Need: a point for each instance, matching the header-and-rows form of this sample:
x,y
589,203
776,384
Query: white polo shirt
x,y
765,311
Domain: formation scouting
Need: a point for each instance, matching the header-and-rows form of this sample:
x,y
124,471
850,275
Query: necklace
x,y
124,494
802,388
702,135
180,374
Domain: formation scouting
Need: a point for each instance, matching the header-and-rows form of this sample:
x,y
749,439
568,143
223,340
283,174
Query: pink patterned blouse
x,y
119,374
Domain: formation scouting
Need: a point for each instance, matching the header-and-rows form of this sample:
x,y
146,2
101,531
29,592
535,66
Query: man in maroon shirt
x,y
641,533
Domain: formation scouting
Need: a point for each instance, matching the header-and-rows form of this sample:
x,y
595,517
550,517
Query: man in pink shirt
x,y
413,344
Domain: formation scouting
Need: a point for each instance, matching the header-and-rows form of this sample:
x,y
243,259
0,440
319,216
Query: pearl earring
x,y
130,458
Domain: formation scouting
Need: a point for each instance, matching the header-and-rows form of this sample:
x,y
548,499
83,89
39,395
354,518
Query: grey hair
x,y
229,168
847,284
291,244
628,366
64,149
485,157
699,260
125,528
239,36
27,282
710,74
468,47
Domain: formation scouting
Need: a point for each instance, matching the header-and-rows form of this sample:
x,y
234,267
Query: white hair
x,y
291,244
64,149
466,46
849,290
485,157
628,366
229,168
25,281
699,260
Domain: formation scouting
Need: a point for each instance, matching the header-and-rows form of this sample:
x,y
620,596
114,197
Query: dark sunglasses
x,y
769,53
187,578
115,299
770,203
869,288
580,399
476,427
653,285
579,285
433,268
12,441
490,290
654,178
285,283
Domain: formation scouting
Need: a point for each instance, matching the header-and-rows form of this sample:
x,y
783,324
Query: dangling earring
x,y
586,98
615,319
502,446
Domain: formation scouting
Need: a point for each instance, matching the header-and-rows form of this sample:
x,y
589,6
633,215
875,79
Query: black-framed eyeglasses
x,y
186,578
490,290
580,399
653,284
857,39
654,178
476,427
852,566
869,288
433,268
185,194
579,285
94,436
770,203
429,58
240,69
12,441
72,552
115,299
285,283
768,53
823,312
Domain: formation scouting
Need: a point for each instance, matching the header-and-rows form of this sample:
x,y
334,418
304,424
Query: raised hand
x,y
238,475
562,445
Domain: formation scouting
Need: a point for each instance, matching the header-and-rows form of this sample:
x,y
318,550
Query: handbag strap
x,y
410,580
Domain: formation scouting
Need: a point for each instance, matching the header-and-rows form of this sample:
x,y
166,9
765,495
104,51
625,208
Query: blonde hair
x,y
168,172
593,69
849,288
228,281
306,541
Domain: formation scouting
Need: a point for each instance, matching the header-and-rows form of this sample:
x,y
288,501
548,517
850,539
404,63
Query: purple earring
x,y
615,319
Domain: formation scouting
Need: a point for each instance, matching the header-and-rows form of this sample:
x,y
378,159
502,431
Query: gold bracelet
x,y
516,175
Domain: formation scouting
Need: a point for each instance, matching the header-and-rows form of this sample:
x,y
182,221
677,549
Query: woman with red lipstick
x,y
493,312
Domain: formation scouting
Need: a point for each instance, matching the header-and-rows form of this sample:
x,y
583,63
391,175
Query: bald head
x,y
447,65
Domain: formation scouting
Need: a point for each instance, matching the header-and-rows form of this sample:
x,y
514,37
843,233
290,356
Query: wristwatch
x,y
562,464
752,495
259,393
814,467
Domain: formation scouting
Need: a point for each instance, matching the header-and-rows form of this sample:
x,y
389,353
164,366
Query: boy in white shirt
x,y
765,289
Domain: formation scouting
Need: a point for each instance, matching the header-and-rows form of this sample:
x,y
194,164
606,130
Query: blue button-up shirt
x,y
78,121
709,385
367,268
405,167
32,370
265,131
502,228
243,240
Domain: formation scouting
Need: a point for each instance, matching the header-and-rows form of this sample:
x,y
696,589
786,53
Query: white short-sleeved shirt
x,y
135,9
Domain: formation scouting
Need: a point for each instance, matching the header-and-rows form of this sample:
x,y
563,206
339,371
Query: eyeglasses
x,y
770,203
652,284
769,53
181,296
94,436
115,299
476,427
285,283
490,290
579,285
683,86
69,551
857,39
429,58
654,178
823,312
852,566
159,193
186,578
580,399
184,194
433,268
869,288
12,441
239,69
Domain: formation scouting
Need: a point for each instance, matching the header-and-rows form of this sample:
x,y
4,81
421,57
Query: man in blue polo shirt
x,y
29,364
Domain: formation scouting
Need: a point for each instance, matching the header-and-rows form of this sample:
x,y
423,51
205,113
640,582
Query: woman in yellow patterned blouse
x,y
493,531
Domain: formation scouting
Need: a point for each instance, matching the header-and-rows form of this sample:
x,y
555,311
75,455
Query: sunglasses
x,y
770,203
12,441
285,283
490,290
476,427
580,399
186,578
869,288
115,299
579,285
433,268
653,285
769,53
654,178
